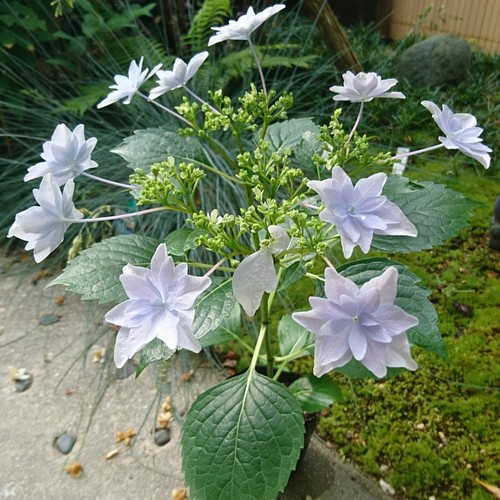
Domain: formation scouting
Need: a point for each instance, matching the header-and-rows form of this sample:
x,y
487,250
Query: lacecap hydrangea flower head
x,y
359,322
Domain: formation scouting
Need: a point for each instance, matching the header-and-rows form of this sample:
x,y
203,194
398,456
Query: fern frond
x,y
212,13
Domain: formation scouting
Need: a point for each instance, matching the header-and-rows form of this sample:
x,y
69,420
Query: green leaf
x,y
241,439
228,329
156,350
294,340
314,394
95,272
292,274
411,296
154,145
182,240
437,212
287,134
215,305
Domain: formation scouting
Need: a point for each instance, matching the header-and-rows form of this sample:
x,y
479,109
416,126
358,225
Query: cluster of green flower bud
x,y
340,150
169,184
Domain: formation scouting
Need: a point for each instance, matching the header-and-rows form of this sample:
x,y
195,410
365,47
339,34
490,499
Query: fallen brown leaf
x,y
125,436
74,470
179,494
494,490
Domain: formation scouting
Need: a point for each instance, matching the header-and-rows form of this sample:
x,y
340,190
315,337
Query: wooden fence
x,y
478,21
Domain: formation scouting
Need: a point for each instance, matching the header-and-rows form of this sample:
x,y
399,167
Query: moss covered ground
x,y
436,432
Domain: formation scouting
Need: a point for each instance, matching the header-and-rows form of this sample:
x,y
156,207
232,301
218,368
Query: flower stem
x,y
417,152
259,67
164,108
107,181
356,123
114,217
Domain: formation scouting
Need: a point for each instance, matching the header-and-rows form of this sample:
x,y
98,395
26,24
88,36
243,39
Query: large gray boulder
x,y
439,60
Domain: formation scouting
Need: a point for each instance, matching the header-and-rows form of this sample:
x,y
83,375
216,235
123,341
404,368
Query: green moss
x,y
437,429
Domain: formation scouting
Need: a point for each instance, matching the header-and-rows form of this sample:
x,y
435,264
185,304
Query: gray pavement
x,y
53,336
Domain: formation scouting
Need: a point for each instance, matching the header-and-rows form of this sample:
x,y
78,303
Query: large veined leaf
x,y
241,439
437,212
411,296
213,307
95,272
287,134
154,145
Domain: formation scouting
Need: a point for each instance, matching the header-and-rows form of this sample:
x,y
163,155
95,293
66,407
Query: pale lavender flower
x,y
460,132
178,76
127,86
66,155
160,305
360,323
244,26
43,226
358,212
364,87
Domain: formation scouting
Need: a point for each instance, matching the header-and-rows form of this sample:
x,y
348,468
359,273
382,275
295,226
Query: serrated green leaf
x,y
437,212
213,307
229,329
95,272
182,240
154,145
241,439
294,340
411,296
292,274
156,350
314,394
287,134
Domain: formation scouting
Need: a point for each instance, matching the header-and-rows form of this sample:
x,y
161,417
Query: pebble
x,y
49,319
386,487
65,442
161,436
23,384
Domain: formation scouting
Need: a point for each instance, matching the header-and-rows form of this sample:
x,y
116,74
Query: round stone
x,y
65,442
161,436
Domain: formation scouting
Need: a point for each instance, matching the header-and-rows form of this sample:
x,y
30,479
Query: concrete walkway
x,y
57,339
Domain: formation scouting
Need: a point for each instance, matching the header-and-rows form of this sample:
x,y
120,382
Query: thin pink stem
x,y
114,217
259,67
417,152
214,268
356,123
107,181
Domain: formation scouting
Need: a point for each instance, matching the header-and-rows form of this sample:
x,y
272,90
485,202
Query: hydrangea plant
x,y
307,216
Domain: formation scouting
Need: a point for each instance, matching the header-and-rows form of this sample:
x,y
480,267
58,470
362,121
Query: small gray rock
x,y
24,383
64,443
439,60
161,436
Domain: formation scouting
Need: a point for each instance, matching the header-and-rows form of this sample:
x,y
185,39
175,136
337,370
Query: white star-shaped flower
x,y
460,132
127,86
358,212
360,323
244,26
364,87
160,305
66,155
43,226
178,76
